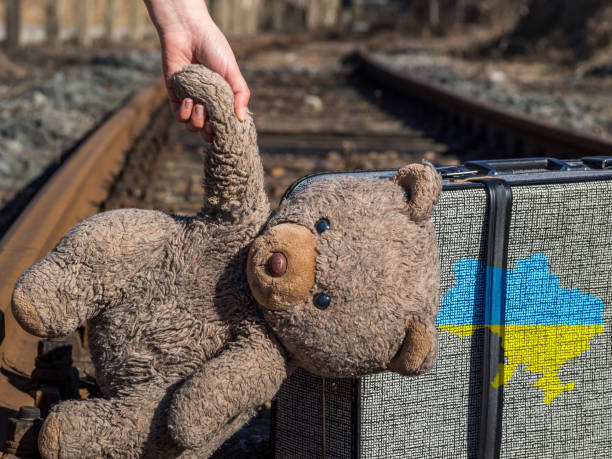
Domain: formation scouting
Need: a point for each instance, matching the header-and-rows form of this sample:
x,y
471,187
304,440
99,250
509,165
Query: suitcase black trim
x,y
459,177
356,418
499,202
272,433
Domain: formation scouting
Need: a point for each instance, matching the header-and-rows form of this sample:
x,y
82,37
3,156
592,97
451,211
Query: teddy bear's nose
x,y
281,266
277,264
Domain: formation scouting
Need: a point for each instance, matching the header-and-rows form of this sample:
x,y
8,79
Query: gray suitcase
x,y
524,368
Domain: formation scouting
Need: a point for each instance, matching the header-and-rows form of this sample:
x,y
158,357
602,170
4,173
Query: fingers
x,y
198,118
194,117
185,109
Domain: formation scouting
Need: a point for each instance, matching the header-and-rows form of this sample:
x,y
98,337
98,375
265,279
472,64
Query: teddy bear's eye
x,y
322,225
321,300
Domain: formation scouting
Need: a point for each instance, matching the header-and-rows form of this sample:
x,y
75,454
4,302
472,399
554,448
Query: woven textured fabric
x,y
565,409
299,420
556,339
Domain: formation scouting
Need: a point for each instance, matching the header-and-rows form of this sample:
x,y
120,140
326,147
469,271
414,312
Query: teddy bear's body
x,y
160,310
191,325
185,315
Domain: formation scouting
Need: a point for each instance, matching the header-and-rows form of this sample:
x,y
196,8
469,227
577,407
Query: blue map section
x,y
533,297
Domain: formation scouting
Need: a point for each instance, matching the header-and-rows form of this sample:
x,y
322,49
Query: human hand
x,y
188,35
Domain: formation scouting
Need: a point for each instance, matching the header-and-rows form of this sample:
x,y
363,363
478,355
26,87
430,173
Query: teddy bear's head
x,y
344,265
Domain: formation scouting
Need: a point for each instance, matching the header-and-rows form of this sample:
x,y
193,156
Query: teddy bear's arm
x,y
419,349
88,269
233,174
244,376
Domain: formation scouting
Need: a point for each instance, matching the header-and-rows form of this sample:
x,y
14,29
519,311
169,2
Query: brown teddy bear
x,y
194,322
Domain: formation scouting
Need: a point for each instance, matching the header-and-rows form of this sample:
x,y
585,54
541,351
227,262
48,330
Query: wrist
x,y
173,17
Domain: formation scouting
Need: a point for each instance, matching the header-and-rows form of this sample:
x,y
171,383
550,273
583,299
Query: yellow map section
x,y
542,349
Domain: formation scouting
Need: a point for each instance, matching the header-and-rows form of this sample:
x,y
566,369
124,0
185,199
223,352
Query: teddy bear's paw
x,y
49,437
25,312
67,434
419,349
187,434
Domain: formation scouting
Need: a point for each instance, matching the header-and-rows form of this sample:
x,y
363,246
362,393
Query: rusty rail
x,y
73,193
560,140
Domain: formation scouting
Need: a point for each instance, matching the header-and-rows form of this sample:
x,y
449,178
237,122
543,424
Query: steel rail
x,y
74,192
560,139
243,47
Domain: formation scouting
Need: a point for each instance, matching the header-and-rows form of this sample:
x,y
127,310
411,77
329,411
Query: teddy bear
x,y
194,322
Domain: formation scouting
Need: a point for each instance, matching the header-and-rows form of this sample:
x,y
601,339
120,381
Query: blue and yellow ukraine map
x,y
545,325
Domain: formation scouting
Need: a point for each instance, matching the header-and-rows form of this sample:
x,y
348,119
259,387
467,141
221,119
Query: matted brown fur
x,y
183,352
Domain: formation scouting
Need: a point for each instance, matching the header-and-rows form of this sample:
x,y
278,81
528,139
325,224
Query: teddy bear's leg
x,y
419,349
229,386
129,427
89,268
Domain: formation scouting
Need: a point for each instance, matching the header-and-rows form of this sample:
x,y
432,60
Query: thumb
x,y
242,94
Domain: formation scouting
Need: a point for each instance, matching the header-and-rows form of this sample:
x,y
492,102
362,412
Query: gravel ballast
x,y
569,108
39,125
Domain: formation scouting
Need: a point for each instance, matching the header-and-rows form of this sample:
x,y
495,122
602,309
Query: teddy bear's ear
x,y
424,185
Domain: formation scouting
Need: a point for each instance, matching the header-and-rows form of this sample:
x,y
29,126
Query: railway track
x,y
314,111
501,131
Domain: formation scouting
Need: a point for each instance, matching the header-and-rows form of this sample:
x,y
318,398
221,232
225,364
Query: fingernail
x,y
188,103
199,111
241,114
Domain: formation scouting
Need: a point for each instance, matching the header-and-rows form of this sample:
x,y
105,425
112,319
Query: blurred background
x,y
67,66
567,30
